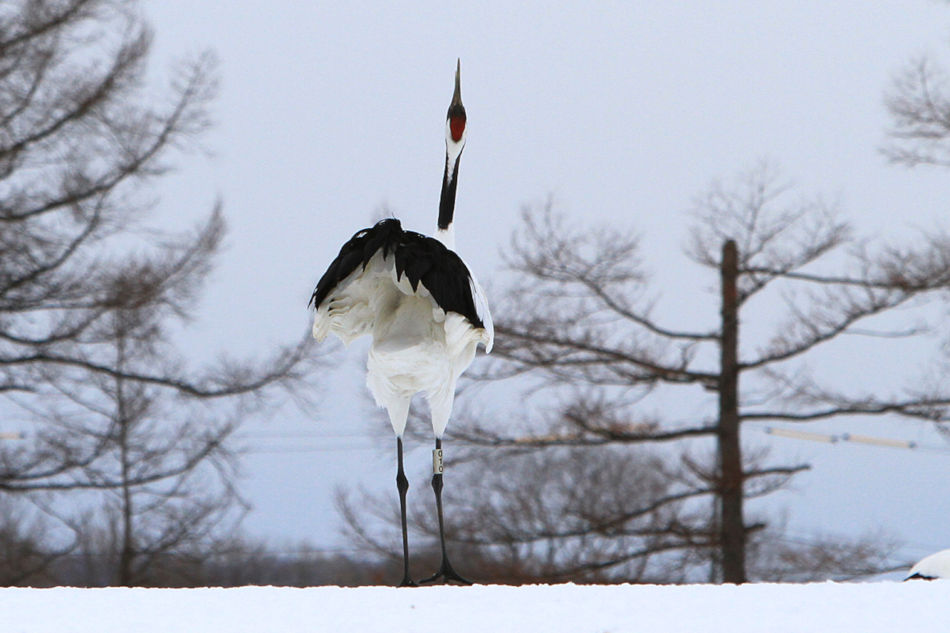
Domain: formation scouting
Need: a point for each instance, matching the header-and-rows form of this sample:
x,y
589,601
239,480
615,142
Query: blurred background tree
x,y
93,292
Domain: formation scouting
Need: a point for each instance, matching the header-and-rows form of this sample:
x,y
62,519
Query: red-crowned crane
x,y
425,312
931,567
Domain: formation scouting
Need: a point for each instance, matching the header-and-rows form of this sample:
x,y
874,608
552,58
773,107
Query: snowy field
x,y
770,608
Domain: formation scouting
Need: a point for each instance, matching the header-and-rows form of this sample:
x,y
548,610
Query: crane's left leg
x,y
402,484
446,571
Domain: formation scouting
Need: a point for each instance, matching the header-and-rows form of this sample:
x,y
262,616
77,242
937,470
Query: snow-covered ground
x,y
771,608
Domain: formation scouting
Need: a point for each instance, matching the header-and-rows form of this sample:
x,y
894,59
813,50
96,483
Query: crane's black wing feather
x,y
422,259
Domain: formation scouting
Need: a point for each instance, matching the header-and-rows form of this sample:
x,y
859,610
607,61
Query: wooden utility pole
x,y
731,524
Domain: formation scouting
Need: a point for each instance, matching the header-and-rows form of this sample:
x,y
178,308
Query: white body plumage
x,y
417,345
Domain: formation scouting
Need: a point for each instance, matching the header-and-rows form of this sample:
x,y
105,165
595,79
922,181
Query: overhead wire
x,y
370,444
854,438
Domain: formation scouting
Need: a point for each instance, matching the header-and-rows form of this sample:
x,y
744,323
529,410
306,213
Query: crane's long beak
x,y
457,97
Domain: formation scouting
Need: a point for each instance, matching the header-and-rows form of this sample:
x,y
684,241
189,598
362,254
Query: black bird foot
x,y
447,573
407,582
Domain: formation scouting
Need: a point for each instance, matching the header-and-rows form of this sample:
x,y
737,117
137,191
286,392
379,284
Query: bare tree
x,y
167,468
918,101
26,556
580,322
90,294
775,556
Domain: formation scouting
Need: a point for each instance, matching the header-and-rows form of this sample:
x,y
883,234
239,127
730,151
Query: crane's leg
x,y
446,571
402,485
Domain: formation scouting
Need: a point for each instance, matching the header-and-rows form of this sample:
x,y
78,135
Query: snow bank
x,y
772,608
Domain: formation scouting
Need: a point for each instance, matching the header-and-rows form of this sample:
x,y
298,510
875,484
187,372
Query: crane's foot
x,y
447,573
408,582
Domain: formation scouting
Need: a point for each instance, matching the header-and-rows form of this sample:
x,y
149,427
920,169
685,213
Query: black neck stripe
x,y
447,200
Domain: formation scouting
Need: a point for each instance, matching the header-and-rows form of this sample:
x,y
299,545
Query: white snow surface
x,y
776,608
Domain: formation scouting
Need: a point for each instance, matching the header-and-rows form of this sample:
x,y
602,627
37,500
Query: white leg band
x,y
437,461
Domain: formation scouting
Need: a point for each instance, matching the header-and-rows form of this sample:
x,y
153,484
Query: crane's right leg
x,y
402,485
398,408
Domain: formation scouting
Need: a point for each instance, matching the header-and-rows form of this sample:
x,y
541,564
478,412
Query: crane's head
x,y
455,119
454,142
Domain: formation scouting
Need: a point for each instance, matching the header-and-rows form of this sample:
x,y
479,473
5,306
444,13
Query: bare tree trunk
x,y
731,525
127,550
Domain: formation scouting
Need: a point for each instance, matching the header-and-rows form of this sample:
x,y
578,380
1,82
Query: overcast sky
x,y
623,112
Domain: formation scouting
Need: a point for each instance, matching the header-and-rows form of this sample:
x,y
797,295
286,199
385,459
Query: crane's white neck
x,y
447,236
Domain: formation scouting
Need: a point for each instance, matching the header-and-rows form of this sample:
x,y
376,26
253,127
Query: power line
x,y
307,449
301,552
853,438
295,435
